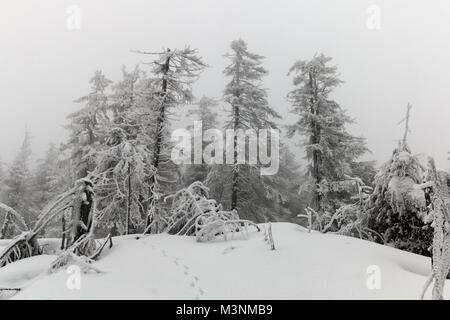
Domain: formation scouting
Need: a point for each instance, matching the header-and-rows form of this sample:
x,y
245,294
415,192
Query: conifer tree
x,y
173,73
50,177
17,192
2,178
123,162
249,110
330,150
396,207
205,114
84,124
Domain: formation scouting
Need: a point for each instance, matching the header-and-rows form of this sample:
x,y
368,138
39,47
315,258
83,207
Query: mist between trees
x,y
121,141
252,147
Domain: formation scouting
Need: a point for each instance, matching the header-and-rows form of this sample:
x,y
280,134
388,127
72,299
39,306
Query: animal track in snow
x,y
193,280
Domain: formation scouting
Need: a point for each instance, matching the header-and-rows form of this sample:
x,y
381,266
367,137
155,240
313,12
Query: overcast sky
x,y
44,66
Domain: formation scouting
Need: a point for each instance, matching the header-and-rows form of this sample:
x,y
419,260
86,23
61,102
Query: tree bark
x,y
235,178
315,139
159,134
128,201
63,236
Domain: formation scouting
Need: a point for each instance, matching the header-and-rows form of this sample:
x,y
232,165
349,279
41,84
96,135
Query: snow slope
x,y
304,266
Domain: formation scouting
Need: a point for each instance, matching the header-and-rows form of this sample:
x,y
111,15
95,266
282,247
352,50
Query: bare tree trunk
x,y
128,201
315,139
235,178
235,185
439,195
63,236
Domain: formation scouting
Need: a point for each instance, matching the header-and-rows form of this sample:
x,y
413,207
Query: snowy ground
x,y
304,266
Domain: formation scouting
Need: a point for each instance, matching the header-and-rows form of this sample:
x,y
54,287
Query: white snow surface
x,y
303,266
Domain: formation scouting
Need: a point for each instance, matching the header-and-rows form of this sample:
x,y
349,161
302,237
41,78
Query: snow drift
x,y
303,266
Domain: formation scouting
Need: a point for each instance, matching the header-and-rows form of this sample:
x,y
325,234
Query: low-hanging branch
x,y
193,213
80,200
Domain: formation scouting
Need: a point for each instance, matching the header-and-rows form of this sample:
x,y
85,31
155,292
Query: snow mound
x,y
303,266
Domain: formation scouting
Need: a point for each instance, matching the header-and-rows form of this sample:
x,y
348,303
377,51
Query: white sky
x,y
44,66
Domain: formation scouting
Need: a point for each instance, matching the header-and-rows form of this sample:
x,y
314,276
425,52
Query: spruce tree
x,y
331,151
84,125
205,114
50,177
123,162
249,110
2,178
396,206
17,192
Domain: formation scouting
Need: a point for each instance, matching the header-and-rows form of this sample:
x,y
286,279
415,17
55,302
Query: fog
x,y
44,65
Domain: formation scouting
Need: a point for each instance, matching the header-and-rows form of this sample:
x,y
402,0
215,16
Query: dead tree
x,y
82,210
438,196
268,237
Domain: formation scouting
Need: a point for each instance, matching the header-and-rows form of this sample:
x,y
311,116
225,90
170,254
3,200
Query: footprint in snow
x,y
229,249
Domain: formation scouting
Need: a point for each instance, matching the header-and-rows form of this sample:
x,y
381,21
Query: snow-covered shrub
x,y
396,205
220,223
79,200
193,213
188,204
349,219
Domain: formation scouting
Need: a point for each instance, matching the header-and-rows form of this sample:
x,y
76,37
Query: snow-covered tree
x,y
17,184
396,206
331,151
208,118
84,125
2,178
2,171
205,113
279,192
272,197
50,178
124,161
249,110
437,189
173,73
